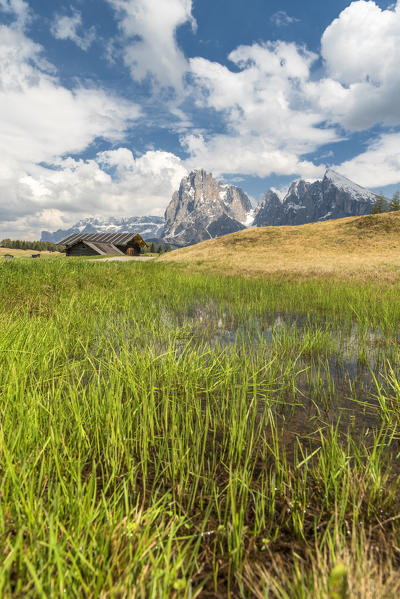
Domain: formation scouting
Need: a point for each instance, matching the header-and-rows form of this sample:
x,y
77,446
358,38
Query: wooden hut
x,y
102,244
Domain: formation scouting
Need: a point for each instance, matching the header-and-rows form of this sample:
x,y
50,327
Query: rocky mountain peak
x,y
343,184
298,187
204,208
272,196
334,196
332,174
268,210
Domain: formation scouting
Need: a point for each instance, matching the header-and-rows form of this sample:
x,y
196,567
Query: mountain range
x,y
203,208
332,197
147,226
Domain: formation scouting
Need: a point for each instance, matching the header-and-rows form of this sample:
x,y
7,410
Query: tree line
x,y
381,205
154,248
21,244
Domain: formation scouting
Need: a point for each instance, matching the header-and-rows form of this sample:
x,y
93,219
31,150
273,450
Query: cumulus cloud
x,y
270,123
252,155
114,182
379,165
39,118
361,52
66,28
282,19
276,111
148,28
362,43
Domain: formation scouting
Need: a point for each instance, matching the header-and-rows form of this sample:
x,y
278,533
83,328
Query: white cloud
x,y
270,123
251,154
281,19
39,118
379,165
41,121
18,8
67,27
362,43
58,197
276,111
148,28
361,51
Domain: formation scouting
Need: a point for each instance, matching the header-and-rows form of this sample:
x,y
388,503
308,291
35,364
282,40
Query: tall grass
x,y
165,435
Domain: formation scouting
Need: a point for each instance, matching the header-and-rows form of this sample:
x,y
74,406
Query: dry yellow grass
x,y
361,574
26,253
366,247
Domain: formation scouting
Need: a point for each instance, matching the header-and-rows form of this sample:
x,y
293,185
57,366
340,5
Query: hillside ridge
x,y
353,246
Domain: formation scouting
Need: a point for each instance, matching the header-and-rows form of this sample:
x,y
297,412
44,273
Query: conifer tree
x,y
379,205
395,203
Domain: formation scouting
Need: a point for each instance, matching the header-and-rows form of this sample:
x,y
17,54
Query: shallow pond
x,y
328,370
338,368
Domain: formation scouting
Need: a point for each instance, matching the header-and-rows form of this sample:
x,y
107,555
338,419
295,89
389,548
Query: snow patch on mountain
x,y
344,184
249,220
146,226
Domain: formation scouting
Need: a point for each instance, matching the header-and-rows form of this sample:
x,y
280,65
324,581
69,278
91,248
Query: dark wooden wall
x,y
80,249
132,248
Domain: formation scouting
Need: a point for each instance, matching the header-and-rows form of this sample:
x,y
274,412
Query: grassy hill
x,y
365,247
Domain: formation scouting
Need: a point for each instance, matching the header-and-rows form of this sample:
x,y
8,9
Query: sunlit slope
x,y
363,246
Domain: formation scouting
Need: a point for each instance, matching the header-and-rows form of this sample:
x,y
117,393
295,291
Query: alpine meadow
x,y
175,434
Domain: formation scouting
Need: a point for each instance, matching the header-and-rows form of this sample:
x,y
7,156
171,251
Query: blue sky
x,y
106,104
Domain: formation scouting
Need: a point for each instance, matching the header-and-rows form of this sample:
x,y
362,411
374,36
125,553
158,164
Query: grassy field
x,y
173,434
365,247
27,253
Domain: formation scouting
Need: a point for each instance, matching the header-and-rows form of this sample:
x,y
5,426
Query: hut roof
x,y
102,248
114,239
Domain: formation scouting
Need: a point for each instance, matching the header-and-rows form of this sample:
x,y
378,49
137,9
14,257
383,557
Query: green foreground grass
x,y
145,454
